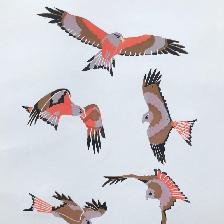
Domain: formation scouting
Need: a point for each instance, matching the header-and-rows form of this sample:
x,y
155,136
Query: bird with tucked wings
x,y
159,186
69,210
57,103
158,117
110,44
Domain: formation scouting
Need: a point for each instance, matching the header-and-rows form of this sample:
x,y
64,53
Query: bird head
x,y
118,36
76,110
150,194
147,117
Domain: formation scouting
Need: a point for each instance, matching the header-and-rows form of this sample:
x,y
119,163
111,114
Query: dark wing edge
x,y
155,78
95,139
159,152
170,47
116,179
96,205
35,114
61,197
57,16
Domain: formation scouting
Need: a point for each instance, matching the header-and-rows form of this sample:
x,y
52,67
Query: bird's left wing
x,y
116,179
76,26
69,210
150,45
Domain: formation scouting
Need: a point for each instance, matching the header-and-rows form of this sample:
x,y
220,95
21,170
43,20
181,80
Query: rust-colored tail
x,y
184,128
39,205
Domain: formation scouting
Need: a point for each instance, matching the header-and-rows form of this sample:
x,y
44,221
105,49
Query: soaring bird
x,y
56,104
158,117
160,187
110,44
70,211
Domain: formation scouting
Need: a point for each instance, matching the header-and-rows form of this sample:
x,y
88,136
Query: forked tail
x,y
39,205
184,128
97,61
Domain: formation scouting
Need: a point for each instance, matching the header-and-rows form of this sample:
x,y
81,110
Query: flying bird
x,y
160,187
110,44
158,117
69,210
56,104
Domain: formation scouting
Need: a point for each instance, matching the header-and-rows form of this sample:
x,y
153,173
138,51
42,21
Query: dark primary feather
x,y
152,78
113,180
96,205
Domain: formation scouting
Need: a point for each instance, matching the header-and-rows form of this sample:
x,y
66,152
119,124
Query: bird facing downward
x,y
110,44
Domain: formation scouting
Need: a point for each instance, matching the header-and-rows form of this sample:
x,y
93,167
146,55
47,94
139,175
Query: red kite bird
x,y
56,104
160,186
158,117
110,44
69,211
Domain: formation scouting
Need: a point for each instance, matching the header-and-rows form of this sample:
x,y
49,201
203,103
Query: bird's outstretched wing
x,y
160,124
78,27
49,107
150,45
69,210
93,121
94,209
116,179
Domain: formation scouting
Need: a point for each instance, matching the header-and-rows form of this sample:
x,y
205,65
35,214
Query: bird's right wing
x,y
78,27
150,45
116,179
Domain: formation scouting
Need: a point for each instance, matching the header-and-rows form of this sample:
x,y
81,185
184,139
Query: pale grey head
x,y
76,110
150,194
147,117
115,38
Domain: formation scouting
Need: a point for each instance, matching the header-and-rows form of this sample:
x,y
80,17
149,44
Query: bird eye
x,y
150,193
146,117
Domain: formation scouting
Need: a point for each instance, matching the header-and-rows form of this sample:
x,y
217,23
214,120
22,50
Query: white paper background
x,y
37,57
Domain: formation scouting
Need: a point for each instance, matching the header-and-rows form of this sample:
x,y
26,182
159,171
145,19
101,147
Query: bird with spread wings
x,y
56,104
110,44
69,210
158,117
160,186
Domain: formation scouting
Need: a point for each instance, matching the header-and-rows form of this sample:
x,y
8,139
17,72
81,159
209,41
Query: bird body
x,y
158,117
159,186
111,44
69,210
56,104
